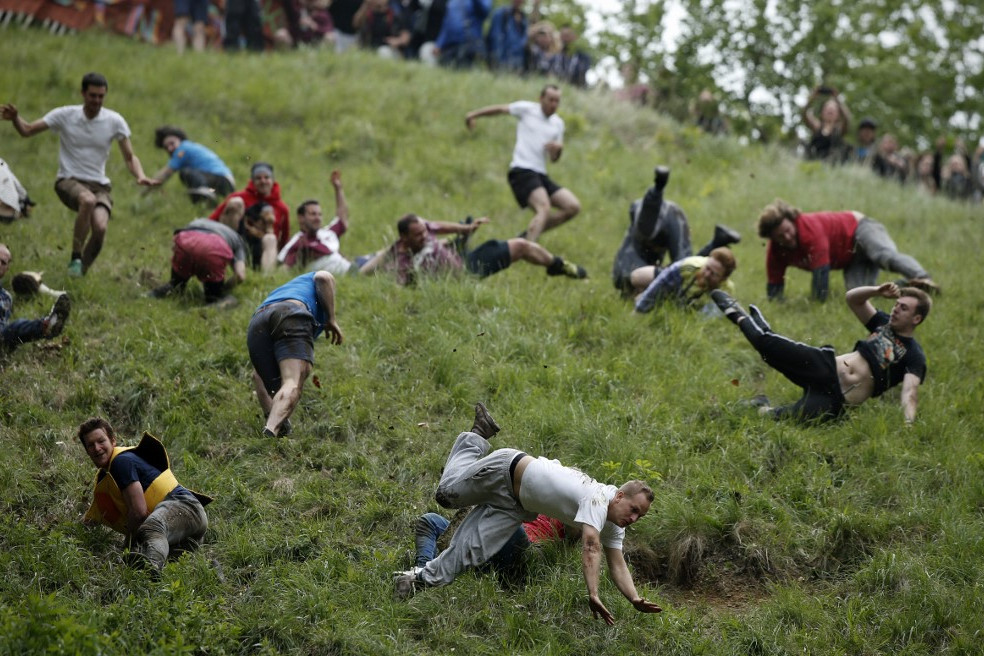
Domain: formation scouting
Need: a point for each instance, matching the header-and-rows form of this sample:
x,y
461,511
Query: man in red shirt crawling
x,y
821,241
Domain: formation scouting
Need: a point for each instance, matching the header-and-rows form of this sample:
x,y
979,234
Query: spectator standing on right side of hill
x,y
539,134
827,132
85,134
887,162
864,152
571,64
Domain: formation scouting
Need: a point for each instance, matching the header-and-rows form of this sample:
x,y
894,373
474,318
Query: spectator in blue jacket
x,y
460,43
507,37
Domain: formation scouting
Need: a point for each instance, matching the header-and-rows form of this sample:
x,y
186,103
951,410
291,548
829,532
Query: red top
x,y
824,239
281,224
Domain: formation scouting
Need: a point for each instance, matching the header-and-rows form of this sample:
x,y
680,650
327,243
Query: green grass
x,y
859,538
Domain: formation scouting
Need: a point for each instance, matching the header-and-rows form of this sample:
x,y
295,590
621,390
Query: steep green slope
x,y
861,537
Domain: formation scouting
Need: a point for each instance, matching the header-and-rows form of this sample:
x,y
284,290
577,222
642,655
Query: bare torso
x,y
856,382
518,474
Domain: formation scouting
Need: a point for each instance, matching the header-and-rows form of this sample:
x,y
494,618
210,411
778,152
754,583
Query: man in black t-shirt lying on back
x,y
888,356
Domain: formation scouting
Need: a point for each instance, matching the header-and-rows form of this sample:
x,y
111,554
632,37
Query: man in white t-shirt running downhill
x,y
85,133
539,134
508,487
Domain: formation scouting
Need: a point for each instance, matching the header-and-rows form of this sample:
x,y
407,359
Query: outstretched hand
x,y
144,181
469,122
8,112
333,333
336,179
644,606
888,290
598,608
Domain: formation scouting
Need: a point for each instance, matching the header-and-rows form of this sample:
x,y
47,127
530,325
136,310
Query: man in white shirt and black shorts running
x,y
539,134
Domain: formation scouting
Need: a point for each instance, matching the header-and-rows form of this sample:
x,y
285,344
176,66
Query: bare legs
x,y
293,373
550,211
90,229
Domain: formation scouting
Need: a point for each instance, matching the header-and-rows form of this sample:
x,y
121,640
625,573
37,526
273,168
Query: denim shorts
x,y
279,331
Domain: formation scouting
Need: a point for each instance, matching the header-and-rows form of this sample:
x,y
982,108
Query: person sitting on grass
x,y
687,281
262,189
14,333
14,201
508,487
418,251
888,356
136,494
202,172
315,246
204,248
657,227
280,340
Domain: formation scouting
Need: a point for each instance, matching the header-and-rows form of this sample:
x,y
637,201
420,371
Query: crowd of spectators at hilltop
x,y
950,168
451,33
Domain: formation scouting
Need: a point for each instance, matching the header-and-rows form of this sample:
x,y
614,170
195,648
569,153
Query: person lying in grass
x,y
888,356
687,281
136,494
17,332
508,487
418,251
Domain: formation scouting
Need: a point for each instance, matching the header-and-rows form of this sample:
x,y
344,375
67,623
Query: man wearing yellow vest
x,y
136,494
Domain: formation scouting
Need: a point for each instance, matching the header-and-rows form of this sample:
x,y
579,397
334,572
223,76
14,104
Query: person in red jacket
x,y
262,188
821,241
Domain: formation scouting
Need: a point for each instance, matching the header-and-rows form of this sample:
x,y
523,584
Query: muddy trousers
x,y
177,520
474,477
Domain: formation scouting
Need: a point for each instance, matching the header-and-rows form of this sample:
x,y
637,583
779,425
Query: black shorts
x,y
524,182
491,257
279,331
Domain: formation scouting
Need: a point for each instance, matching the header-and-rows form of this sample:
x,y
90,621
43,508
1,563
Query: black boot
x,y
661,175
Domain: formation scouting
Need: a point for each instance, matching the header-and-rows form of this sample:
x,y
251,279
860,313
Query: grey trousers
x,y
174,521
874,250
472,478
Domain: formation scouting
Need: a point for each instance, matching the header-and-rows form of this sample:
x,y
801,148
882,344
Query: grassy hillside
x,y
859,538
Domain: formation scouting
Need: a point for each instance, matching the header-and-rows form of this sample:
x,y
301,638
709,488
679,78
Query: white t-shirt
x,y
533,131
84,143
571,496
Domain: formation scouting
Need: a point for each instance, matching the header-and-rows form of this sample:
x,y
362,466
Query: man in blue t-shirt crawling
x,y
887,357
280,339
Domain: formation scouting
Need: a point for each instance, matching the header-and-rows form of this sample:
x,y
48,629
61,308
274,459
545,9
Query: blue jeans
x,y
17,332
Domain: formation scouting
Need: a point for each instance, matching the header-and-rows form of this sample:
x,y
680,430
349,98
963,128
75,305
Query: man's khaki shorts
x,y
70,189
